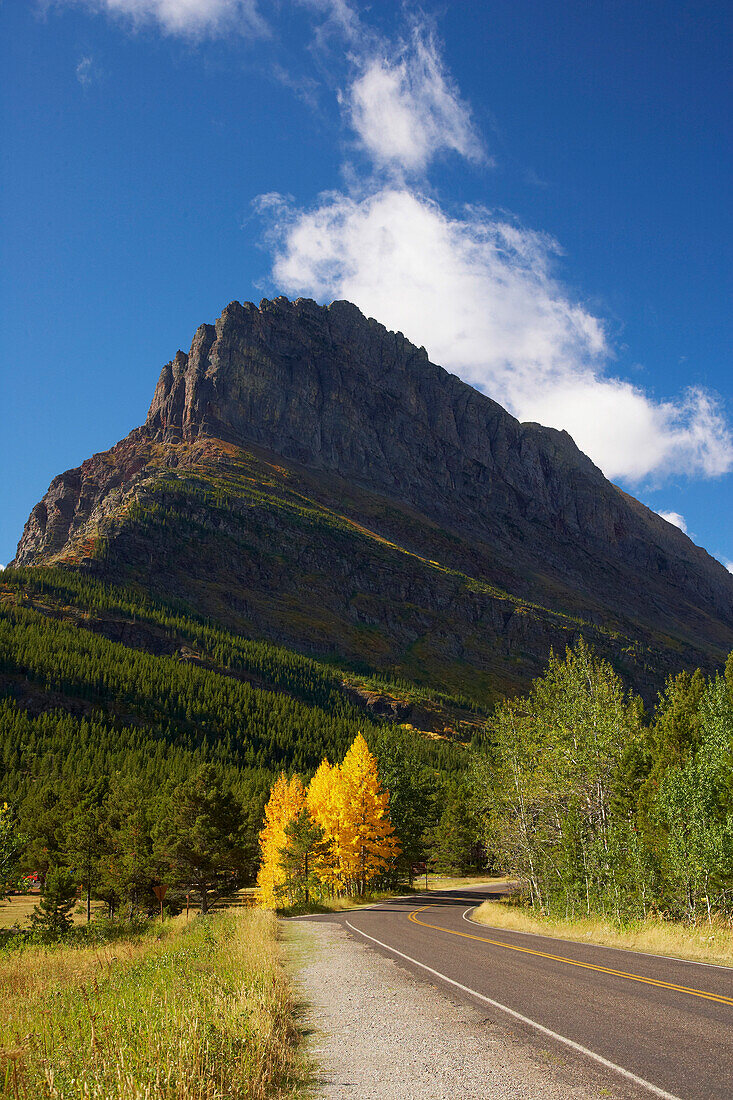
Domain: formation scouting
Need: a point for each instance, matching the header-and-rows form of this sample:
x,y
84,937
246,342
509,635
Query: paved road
x,y
665,1026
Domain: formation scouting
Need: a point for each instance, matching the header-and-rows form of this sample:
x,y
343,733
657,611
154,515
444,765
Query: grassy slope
x,y
187,1013
330,569
173,692
703,943
127,614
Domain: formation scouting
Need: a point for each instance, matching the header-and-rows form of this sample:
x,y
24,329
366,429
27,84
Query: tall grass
x,y
705,942
190,1013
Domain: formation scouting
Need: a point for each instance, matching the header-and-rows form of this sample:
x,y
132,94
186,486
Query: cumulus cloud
x,y
185,17
481,293
729,566
406,110
675,519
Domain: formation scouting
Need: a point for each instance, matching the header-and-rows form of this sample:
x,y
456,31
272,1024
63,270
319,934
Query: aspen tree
x,y
287,799
324,806
367,837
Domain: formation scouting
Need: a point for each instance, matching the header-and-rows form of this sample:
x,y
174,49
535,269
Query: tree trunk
x,y
306,878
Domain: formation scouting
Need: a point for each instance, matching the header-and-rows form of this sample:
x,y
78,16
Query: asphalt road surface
x,y
663,1025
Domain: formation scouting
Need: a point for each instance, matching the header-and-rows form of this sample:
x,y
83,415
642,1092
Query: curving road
x,y
663,1026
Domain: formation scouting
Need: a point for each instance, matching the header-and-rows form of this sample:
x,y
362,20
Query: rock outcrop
x,y
352,409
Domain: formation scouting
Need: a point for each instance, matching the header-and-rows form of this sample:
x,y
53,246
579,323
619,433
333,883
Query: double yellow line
x,y
573,962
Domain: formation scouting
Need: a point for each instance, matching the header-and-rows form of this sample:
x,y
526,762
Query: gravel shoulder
x,y
374,1031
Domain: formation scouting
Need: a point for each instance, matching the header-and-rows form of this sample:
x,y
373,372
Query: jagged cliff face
x,y
297,402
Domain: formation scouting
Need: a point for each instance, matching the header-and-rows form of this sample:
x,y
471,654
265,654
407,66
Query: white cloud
x,y
729,566
2,567
480,293
85,71
340,18
675,519
406,110
185,17
477,289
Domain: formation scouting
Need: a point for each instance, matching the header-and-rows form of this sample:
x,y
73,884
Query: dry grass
x,y
454,882
18,908
702,943
197,1012
435,882
336,905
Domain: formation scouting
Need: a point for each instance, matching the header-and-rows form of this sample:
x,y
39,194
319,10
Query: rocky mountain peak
x,y
354,412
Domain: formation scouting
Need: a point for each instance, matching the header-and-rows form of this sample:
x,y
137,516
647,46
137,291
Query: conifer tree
x,y
200,840
412,786
454,844
305,851
84,841
11,848
53,913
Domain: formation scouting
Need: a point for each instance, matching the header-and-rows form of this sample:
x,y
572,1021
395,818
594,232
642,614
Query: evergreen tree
x,y
453,843
84,840
128,866
199,843
53,913
413,809
12,843
306,849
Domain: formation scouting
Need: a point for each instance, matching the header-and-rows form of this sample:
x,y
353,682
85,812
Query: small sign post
x,y
160,892
419,869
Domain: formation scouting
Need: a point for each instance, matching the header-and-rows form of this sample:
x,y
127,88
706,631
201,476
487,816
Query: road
x,y
665,1026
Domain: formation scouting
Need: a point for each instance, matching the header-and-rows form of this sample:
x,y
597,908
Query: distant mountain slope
x,y
308,477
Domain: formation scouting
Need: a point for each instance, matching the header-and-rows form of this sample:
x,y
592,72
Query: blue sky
x,y
537,192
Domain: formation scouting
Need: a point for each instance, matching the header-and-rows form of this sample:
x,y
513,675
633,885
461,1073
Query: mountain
x,y
307,477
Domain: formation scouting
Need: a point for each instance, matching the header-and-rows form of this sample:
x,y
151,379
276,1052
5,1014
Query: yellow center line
x,y
572,962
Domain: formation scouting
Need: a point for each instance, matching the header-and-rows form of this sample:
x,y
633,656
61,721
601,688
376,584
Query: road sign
x,y
160,892
420,868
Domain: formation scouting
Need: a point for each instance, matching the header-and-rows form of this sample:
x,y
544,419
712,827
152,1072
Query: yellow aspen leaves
x,y
367,838
287,799
351,807
324,806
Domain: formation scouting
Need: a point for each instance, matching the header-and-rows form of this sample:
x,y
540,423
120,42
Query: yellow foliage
x,y
367,837
324,806
286,801
352,808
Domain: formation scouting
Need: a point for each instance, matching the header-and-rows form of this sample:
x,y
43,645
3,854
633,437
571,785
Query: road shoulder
x,y
373,1030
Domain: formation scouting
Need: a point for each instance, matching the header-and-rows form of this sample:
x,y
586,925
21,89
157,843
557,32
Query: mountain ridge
x,y
297,398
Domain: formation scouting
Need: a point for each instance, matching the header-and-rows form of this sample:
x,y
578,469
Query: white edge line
x,y
589,943
525,1020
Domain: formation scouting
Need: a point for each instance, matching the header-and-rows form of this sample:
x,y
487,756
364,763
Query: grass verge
x,y
195,1012
338,905
703,943
342,904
